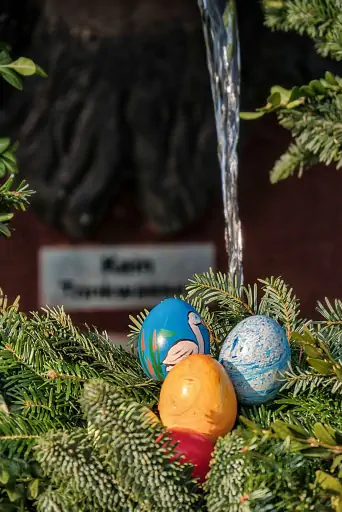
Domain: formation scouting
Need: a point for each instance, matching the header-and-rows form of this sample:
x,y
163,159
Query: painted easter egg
x,y
192,447
198,395
253,354
172,331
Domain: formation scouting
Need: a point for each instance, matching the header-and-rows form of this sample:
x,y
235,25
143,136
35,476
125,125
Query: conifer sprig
x,y
247,455
280,303
320,20
130,446
308,380
332,313
74,466
312,113
219,288
324,359
223,491
12,197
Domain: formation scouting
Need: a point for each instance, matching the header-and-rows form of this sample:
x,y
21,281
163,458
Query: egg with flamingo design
x,y
172,331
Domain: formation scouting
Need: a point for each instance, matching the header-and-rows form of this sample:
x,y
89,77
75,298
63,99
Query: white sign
x,y
118,277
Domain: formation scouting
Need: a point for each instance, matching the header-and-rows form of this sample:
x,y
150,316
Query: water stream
x,y
223,57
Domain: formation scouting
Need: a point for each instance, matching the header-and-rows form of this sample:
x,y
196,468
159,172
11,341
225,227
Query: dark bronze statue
x,y
127,104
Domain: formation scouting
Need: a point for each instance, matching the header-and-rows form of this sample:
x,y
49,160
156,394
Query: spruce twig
x,y
320,20
12,197
312,114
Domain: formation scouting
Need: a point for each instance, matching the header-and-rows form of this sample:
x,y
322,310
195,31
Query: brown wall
x,y
291,229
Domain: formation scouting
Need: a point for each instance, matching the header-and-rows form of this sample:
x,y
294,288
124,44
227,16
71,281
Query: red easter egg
x,y
195,449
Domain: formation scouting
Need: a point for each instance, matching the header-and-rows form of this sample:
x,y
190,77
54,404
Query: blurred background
x,y
119,144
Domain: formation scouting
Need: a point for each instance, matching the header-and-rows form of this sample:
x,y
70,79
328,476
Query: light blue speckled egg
x,y
253,354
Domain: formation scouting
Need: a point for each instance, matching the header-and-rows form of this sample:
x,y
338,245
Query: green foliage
x,y
237,480
75,434
47,360
223,491
115,463
289,489
312,113
321,20
12,196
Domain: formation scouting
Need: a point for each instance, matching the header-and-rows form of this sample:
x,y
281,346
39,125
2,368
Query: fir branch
x,y
262,415
300,381
312,113
228,471
319,356
280,303
45,405
73,463
128,441
295,159
95,349
17,437
53,500
285,440
27,380
12,197
317,127
218,287
306,408
324,443
46,360
18,434
136,325
331,325
331,312
5,307
279,479
251,472
320,20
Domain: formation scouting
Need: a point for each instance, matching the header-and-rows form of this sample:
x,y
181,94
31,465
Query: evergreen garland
x,y
75,433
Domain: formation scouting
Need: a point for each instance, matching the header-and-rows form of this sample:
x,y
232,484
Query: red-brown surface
x,y
291,229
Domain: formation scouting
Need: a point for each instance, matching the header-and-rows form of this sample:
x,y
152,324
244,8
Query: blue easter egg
x,y
172,331
253,354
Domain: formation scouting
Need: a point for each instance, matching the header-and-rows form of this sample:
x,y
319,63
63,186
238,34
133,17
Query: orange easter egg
x,y
197,394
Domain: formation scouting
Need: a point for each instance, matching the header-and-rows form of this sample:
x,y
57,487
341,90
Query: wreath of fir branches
x,y
75,436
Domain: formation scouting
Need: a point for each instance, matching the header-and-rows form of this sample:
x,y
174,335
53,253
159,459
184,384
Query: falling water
x,y
222,43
